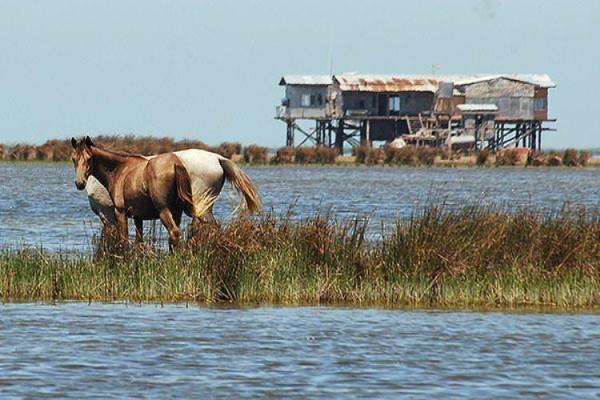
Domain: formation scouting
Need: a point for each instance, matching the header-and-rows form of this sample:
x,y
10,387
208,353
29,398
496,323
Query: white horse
x,y
208,172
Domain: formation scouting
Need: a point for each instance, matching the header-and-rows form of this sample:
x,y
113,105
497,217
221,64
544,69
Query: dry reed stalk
x,y
472,257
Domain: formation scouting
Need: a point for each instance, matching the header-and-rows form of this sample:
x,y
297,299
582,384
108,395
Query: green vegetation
x,y
255,154
406,156
60,150
483,157
309,155
474,257
568,158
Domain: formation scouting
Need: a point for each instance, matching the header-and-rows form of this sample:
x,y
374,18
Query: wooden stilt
x,y
339,137
290,133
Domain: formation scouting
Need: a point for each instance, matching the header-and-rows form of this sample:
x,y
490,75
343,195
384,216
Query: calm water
x,y
80,351
39,204
102,351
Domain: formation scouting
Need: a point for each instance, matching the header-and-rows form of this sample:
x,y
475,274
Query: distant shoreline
x,y
60,151
349,162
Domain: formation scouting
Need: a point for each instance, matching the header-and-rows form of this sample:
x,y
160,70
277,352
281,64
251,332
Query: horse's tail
x,y
195,204
242,183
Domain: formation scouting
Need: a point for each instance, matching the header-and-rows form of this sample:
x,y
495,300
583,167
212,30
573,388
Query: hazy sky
x,y
209,69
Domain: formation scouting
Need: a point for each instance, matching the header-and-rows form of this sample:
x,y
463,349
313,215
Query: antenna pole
x,y
330,58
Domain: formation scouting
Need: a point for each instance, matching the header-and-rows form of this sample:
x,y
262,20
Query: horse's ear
x,y
73,142
88,141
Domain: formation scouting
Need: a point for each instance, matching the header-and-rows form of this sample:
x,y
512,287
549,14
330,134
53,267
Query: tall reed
x,y
255,154
472,257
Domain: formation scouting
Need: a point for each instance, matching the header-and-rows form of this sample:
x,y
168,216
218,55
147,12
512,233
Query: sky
x,y
209,70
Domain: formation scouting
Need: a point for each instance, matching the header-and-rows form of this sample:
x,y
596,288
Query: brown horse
x,y
159,186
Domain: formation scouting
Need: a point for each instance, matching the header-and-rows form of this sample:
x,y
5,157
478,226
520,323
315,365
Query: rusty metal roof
x,y
386,83
426,83
311,80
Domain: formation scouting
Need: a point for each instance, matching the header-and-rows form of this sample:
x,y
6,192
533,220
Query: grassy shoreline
x,y
349,162
476,258
60,151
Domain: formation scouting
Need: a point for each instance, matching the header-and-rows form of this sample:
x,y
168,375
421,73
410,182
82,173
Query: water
x,y
40,206
80,351
76,350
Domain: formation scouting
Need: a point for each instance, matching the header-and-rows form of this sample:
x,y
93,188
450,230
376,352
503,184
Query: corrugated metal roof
x,y
316,80
541,80
426,83
477,107
387,83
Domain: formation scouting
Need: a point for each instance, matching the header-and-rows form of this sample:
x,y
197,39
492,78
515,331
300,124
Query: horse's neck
x,y
106,164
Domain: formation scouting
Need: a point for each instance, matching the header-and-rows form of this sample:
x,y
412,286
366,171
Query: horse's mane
x,y
120,153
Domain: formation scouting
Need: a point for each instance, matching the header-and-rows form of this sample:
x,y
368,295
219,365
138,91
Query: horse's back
x,y
203,167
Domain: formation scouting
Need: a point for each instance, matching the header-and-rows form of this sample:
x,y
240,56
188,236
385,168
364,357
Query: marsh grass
x,y
473,257
315,155
60,150
255,154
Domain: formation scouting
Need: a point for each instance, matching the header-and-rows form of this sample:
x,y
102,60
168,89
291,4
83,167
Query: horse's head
x,y
82,160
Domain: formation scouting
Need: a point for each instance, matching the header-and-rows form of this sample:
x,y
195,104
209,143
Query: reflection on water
x,y
39,204
79,351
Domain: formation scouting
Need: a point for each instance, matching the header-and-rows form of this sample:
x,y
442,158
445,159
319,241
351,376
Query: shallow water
x,y
40,206
80,351
114,351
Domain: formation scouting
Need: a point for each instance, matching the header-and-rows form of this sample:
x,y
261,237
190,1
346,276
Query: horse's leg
x,y
105,239
168,221
109,232
105,231
139,229
194,227
177,214
122,225
198,222
209,217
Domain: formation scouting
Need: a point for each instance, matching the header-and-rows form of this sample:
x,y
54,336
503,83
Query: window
x,y
394,103
539,104
310,100
305,100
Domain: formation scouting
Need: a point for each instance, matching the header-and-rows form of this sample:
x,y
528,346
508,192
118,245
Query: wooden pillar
x,y
499,135
318,133
331,134
339,137
290,133
494,146
363,132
